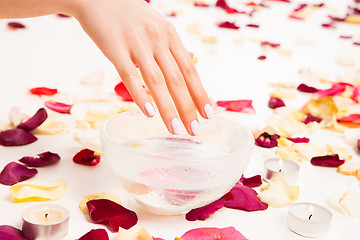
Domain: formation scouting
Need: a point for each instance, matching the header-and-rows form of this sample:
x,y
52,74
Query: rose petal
x,y
267,140
337,89
226,24
222,4
35,121
229,233
87,157
14,172
345,36
110,213
262,57
11,233
95,78
61,15
348,203
200,4
279,194
299,140
43,159
36,191
204,212
253,25
310,118
275,102
95,234
353,118
16,137
244,106
59,107
15,25
43,91
254,181
102,195
267,43
305,88
358,144
122,91
128,235
332,160
356,43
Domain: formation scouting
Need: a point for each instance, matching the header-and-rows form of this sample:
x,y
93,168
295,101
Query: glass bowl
x,y
167,174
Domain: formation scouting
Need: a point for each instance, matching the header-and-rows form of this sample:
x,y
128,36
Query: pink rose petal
x,y
87,157
61,15
345,36
266,140
267,43
337,89
229,233
352,118
311,118
244,106
35,121
95,234
254,181
43,91
327,161
122,91
10,233
299,140
59,107
222,4
206,211
275,102
16,137
358,144
43,159
15,25
356,43
305,88
226,24
110,213
14,172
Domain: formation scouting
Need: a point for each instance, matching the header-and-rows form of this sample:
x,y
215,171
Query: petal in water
x,y
35,121
16,137
87,157
11,233
275,103
327,161
305,88
229,233
43,159
95,234
43,91
244,106
122,91
267,140
14,172
58,107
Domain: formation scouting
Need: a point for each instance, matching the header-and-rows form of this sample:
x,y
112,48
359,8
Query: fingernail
x,y
150,109
176,126
195,128
209,111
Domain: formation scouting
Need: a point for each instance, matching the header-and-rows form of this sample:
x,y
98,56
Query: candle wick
x,y
46,215
280,170
310,216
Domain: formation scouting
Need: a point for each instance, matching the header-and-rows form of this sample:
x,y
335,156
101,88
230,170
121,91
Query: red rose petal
x,y
353,118
312,118
43,159
328,25
87,157
229,233
14,172
39,117
16,137
253,25
337,89
61,15
358,144
198,4
122,91
206,211
287,1
305,88
275,103
267,43
299,140
327,161
110,213
254,181
345,36
43,91
266,140
226,24
15,25
356,43
95,234
10,233
222,4
58,107
336,19
244,106
262,57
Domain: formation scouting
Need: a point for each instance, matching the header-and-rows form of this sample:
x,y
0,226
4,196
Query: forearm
x,y
33,8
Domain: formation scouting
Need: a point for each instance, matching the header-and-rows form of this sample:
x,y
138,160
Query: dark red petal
x,y
253,25
211,233
198,4
148,1
312,118
266,140
206,211
222,4
122,91
63,15
244,106
14,172
95,234
267,43
327,161
15,25
35,121
16,137
299,140
226,24
262,57
87,157
110,213
358,144
275,103
43,91
336,19
10,233
58,107
353,118
43,159
305,88
254,181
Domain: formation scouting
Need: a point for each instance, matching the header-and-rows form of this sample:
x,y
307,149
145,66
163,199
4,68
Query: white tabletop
x,y
55,52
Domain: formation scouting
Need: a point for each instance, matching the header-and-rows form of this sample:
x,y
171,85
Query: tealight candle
x,y
309,219
45,222
280,168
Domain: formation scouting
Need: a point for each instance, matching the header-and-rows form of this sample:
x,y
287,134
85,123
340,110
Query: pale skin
x,y
131,33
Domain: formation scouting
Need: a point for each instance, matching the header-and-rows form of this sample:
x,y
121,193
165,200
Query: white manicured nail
x,y
209,111
150,109
176,126
195,127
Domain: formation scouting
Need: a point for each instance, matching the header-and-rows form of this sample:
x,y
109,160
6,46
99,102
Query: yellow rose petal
x,y
279,194
101,195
